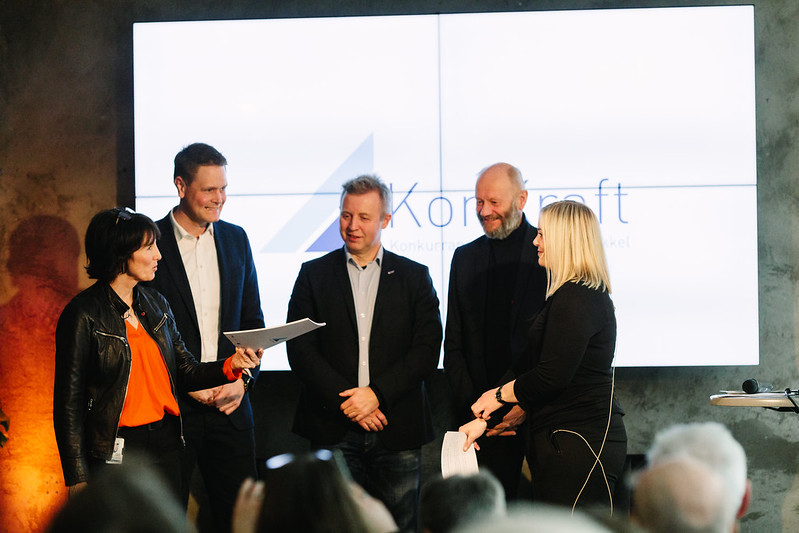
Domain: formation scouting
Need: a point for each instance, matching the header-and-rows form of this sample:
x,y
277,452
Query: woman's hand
x,y
474,430
486,404
246,358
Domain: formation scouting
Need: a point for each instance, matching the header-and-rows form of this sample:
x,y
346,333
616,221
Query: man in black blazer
x,y
363,373
207,275
496,285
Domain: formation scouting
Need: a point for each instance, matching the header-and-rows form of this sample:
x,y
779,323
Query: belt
x,y
152,426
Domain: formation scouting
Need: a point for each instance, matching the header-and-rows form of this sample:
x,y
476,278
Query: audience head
x,y
448,503
538,518
311,493
713,444
680,494
128,498
500,198
570,246
112,237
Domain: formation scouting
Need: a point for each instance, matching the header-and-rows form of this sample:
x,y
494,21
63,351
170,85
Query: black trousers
x,y
568,468
225,457
503,457
157,444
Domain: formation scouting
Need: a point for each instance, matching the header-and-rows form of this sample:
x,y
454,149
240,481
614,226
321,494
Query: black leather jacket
x,y
93,368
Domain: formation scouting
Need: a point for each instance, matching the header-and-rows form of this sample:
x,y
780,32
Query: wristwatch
x,y
498,396
248,380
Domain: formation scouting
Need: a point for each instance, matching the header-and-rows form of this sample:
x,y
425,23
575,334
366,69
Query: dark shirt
x,y
503,267
568,379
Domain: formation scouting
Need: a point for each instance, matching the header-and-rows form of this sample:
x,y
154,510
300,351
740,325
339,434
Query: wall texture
x,y
66,152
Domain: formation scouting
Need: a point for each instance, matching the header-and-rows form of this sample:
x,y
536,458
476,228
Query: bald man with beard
x,y
496,285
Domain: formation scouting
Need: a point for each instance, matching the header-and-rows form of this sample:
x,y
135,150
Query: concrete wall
x,y
66,152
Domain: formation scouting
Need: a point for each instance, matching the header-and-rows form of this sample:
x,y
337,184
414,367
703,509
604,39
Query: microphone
x,y
751,386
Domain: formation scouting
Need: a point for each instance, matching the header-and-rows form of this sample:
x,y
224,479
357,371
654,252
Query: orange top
x,y
149,393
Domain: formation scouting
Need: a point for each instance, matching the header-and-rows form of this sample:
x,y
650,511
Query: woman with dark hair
x,y
308,493
120,359
577,443
312,493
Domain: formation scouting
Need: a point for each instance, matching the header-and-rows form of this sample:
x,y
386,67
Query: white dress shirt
x,y
202,268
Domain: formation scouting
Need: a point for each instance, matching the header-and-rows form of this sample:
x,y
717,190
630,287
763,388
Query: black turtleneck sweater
x,y
503,266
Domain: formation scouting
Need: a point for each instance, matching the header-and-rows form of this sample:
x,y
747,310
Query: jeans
x,y
392,477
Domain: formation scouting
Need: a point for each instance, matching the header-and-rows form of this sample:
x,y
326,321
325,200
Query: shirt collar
x,y
350,259
181,233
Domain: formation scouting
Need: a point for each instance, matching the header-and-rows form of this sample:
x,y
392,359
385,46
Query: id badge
x,y
116,457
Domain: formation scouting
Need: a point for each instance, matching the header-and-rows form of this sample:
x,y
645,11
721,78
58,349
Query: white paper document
x,y
453,459
268,337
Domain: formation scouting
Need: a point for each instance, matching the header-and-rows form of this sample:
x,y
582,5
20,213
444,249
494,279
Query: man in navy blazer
x,y
496,285
208,276
363,373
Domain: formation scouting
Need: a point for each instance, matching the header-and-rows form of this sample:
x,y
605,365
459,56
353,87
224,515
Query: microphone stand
x,y
790,394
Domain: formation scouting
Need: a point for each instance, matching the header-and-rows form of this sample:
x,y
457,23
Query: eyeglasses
x,y
279,461
123,213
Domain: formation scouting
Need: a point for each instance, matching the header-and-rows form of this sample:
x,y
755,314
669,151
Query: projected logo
x,y
306,222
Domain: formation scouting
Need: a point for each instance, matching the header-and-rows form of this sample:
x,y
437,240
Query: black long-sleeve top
x,y
566,380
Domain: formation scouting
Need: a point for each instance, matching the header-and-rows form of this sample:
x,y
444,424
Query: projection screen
x,y
645,115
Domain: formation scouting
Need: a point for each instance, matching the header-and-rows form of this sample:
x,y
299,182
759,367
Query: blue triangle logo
x,y
321,205
329,240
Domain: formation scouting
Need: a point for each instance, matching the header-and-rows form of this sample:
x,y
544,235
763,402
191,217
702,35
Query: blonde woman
x,y
577,443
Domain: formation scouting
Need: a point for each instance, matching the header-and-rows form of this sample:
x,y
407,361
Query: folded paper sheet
x,y
268,337
453,459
